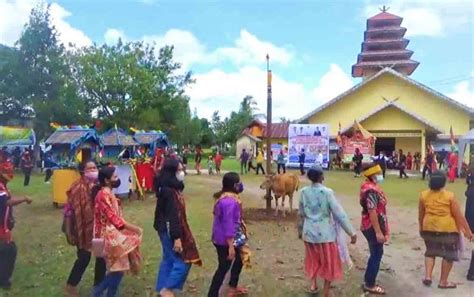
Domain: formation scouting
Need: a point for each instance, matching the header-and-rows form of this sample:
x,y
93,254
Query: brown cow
x,y
282,185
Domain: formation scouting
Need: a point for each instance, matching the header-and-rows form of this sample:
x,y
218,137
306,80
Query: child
x,y
210,164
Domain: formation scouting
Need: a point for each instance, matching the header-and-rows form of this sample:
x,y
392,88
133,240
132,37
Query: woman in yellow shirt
x,y
260,159
441,221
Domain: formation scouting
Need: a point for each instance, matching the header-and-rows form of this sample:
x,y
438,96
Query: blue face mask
x,y
239,188
379,179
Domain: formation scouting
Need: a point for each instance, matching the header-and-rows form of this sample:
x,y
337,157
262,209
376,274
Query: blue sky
x,y
312,44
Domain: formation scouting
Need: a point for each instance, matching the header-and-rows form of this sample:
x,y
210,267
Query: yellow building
x,y
401,112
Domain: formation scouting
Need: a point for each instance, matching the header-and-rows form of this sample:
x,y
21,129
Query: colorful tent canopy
x,y
151,137
73,137
358,127
117,137
17,136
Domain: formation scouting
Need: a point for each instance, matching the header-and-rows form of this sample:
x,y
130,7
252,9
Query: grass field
x,y
44,258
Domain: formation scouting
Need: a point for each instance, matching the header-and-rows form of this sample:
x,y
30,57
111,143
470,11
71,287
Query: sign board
x,y
276,148
349,145
313,138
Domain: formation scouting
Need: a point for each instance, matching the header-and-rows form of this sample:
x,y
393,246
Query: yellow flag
x,y
79,156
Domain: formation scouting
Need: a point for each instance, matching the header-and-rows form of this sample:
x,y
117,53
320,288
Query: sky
x,y
312,44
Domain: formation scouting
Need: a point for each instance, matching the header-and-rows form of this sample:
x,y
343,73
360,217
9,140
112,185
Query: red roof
x,y
385,16
279,130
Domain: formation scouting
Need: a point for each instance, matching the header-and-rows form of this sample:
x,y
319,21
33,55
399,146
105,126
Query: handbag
x,y
240,238
98,246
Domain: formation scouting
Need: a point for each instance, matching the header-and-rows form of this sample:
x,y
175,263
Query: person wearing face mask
x,y
374,224
116,240
229,236
79,218
177,241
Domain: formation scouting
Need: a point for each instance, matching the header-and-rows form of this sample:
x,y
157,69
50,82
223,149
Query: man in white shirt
x,y
319,159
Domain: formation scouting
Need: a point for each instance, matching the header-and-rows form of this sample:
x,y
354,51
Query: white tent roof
x,y
469,135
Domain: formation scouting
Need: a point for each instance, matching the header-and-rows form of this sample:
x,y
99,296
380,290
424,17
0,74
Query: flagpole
x,y
268,131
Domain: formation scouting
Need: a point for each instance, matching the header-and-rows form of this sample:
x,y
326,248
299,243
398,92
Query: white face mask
x,y
180,176
379,179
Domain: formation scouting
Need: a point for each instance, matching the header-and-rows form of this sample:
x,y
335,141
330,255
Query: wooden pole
x,y
268,132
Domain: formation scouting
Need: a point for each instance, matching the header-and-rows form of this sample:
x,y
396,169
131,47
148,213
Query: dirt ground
x,y
402,266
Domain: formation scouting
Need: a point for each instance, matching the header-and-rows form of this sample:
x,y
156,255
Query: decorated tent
x,y
74,144
354,137
152,140
16,136
115,140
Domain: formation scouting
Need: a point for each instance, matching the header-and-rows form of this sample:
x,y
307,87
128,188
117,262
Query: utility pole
x,y
268,131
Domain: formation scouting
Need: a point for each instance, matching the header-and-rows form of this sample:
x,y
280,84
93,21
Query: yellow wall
x,y
408,144
283,141
369,97
391,119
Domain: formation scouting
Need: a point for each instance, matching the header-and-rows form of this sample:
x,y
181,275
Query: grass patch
x,y
45,259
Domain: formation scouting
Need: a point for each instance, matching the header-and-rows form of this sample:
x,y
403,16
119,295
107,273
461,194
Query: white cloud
x,y
14,14
426,17
189,50
67,33
332,83
112,36
248,49
223,91
464,92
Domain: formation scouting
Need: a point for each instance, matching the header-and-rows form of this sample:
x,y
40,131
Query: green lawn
x,y
44,258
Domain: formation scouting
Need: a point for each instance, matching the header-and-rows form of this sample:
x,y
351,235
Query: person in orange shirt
x,y
218,161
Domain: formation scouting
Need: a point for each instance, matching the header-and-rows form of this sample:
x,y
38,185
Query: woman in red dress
x,y
409,161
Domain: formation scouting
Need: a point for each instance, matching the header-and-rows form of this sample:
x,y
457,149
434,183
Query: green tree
x,y
44,79
129,85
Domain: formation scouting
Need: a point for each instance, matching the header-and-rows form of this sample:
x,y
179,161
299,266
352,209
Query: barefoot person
x,y
80,211
171,223
8,249
114,238
229,236
374,224
441,221
319,211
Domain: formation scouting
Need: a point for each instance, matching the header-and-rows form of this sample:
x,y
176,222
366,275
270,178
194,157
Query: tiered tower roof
x,y
384,46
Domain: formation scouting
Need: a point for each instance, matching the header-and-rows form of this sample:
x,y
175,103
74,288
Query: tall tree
x,y
129,85
48,87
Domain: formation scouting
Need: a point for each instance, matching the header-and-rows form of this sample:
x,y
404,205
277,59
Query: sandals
x,y
448,286
377,290
427,282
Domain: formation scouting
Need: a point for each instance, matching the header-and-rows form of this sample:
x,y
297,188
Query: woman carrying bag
x,y
114,239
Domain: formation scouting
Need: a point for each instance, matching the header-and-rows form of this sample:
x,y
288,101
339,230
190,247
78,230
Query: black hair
x,y
105,172
167,176
315,174
228,183
437,180
82,167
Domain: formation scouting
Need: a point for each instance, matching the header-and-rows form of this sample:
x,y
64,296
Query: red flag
x,y
451,136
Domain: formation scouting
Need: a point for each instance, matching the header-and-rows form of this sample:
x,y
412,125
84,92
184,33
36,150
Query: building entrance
x,y
386,144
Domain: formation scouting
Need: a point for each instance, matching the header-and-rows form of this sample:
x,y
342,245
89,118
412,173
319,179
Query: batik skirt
x,y
442,244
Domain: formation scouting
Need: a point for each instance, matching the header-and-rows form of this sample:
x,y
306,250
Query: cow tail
x,y
297,183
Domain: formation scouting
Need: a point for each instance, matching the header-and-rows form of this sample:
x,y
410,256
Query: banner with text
x,y
313,138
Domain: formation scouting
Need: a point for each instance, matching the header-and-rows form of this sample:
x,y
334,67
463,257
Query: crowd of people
x,y
94,224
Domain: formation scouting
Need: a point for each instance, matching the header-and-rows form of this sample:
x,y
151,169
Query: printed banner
x,y
16,136
365,145
313,138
